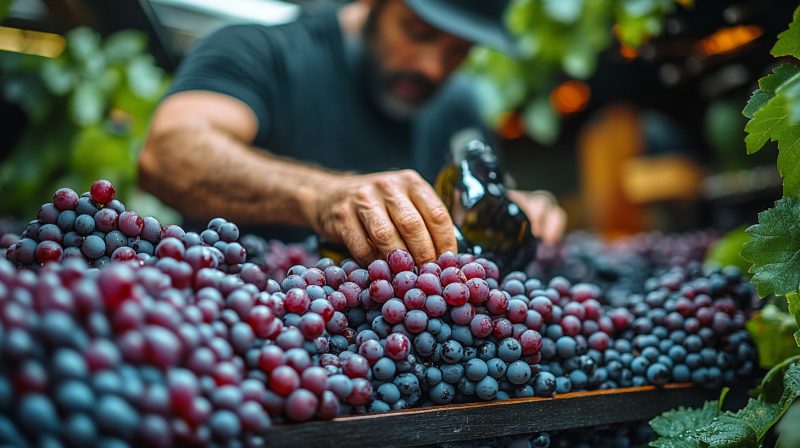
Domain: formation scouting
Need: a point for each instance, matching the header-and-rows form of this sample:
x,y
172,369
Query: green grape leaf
x,y
791,386
759,415
774,249
773,332
670,442
793,299
682,420
728,431
788,43
767,86
707,427
792,94
772,122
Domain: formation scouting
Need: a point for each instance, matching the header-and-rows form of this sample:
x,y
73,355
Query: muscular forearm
x,y
204,172
198,159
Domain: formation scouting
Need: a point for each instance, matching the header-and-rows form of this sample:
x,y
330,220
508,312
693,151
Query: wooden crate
x,y
451,423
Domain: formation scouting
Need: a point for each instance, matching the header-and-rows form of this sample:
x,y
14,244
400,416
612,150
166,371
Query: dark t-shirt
x,y
307,92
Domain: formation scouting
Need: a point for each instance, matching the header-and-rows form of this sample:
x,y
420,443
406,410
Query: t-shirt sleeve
x,y
236,61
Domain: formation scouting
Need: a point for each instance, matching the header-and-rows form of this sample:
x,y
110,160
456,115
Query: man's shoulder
x,y
305,29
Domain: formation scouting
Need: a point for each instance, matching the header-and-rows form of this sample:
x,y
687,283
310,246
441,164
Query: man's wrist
x,y
312,192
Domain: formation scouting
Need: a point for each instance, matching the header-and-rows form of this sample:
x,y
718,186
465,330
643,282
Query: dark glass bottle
x,y
487,222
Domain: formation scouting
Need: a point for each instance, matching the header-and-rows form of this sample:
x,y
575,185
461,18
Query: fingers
x,y
538,210
353,236
379,227
437,219
554,223
387,211
412,227
548,220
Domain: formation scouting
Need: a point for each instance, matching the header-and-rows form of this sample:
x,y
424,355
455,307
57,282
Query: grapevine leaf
x,y
791,386
771,388
767,86
772,122
728,431
775,121
773,332
788,43
794,309
774,250
682,420
759,416
673,442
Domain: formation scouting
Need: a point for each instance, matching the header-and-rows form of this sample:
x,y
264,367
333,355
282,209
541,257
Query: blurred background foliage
x,y
87,113
559,38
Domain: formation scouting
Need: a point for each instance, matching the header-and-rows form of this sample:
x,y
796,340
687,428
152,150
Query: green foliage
x,y
774,249
678,421
788,429
88,111
789,41
725,251
793,300
774,252
555,37
709,426
773,331
774,112
767,86
5,5
772,122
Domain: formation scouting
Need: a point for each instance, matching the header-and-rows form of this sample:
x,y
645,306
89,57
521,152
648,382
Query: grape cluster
x,y
127,332
685,326
621,266
276,257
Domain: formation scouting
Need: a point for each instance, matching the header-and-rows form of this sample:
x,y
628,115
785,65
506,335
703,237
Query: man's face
x,y
408,58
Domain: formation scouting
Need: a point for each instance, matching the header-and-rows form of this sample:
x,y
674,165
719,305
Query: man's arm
x,y
198,159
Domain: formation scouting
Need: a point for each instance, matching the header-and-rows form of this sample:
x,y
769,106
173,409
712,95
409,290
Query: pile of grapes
x,y
118,331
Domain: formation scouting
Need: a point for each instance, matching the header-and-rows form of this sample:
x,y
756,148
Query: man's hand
x,y
548,220
374,213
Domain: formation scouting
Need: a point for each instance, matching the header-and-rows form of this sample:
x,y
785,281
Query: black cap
x,y
478,21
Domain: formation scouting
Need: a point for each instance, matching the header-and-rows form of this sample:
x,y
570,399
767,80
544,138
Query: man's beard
x,y
380,83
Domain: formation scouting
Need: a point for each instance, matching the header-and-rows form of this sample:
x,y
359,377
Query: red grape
x,y
102,191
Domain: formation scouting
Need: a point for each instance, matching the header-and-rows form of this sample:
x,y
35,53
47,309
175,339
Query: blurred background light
x,y
35,43
729,39
570,97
